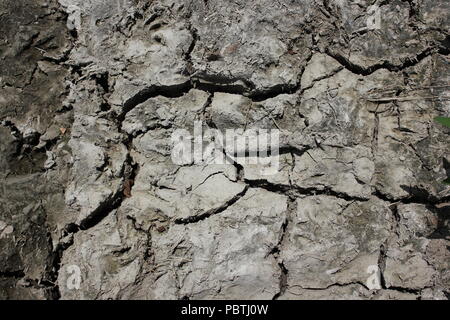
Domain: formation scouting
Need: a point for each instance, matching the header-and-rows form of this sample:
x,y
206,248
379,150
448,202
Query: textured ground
x,y
92,90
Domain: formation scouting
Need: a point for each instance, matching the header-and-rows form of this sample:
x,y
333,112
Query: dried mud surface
x,y
91,92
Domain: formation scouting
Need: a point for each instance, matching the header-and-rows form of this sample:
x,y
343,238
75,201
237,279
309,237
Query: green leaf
x,y
446,181
443,120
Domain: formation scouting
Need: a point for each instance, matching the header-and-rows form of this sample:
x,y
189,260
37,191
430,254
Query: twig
x,y
390,99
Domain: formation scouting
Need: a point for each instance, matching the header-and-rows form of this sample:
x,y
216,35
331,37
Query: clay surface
x,y
93,205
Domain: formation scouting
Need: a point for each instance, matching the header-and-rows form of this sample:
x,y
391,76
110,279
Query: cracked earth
x,y
92,91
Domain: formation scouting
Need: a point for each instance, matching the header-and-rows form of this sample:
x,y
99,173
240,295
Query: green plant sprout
x,y
443,120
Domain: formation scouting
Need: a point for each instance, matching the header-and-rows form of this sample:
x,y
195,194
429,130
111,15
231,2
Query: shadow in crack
x,y
443,228
419,194
446,165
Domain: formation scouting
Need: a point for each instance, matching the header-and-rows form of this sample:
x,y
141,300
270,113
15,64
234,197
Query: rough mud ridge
x,y
92,90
